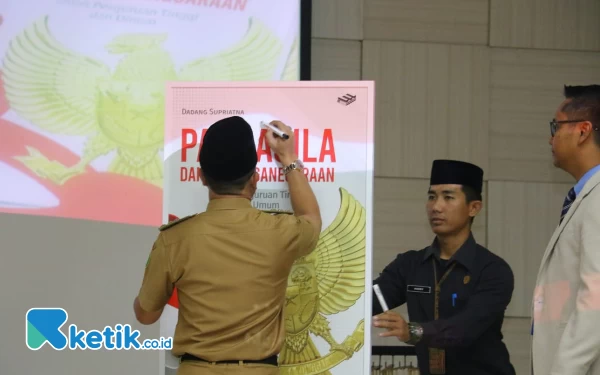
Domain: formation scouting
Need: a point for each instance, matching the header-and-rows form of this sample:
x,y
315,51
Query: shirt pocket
x,y
460,297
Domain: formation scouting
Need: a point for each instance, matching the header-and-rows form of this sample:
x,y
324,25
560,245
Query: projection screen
x,y
82,86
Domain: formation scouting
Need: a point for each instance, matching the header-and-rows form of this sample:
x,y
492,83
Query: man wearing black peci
x,y
456,291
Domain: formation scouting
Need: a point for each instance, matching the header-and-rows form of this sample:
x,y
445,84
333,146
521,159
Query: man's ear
x,y
255,178
475,208
585,131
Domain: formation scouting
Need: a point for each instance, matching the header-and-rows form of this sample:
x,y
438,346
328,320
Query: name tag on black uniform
x,y
418,289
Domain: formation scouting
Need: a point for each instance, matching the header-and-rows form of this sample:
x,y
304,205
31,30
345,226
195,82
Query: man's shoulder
x,y
488,255
591,200
407,261
276,218
488,258
175,222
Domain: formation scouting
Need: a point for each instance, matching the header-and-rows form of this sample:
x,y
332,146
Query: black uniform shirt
x,y
472,301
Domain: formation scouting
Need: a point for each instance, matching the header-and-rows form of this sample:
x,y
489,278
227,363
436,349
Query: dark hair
x,y
470,196
234,187
584,104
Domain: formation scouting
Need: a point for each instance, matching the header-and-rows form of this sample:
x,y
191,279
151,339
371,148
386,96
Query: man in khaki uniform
x,y
230,264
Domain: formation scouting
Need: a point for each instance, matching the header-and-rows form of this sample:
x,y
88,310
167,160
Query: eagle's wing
x,y
49,85
291,72
254,58
340,257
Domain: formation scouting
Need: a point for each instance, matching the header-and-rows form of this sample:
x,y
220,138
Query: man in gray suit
x,y
566,302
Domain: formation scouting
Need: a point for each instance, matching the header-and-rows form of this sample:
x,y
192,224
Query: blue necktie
x,y
567,204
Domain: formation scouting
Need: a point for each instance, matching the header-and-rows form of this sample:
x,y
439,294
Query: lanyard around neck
x,y
438,287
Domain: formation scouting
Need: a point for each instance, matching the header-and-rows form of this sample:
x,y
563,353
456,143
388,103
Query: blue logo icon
x,y
43,325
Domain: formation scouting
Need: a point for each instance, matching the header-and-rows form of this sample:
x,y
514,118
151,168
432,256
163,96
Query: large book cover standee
x,y
333,127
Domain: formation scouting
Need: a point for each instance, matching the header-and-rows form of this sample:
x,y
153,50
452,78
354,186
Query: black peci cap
x,y
456,172
228,150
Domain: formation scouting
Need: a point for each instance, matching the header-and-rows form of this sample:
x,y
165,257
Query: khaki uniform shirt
x,y
230,266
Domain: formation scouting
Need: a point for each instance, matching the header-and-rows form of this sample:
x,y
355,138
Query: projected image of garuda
x,y
65,92
326,282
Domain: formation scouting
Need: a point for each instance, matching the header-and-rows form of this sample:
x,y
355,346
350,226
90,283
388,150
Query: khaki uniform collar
x,y
228,204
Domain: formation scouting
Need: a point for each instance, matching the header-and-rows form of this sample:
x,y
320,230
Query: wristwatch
x,y
415,332
297,164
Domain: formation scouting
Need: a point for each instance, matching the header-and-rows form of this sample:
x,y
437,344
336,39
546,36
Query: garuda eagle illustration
x,y
327,281
63,92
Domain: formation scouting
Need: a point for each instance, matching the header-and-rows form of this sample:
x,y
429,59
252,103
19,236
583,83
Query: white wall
x,y
476,80
91,269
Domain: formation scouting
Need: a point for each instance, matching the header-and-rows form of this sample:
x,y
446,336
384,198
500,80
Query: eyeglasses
x,y
554,125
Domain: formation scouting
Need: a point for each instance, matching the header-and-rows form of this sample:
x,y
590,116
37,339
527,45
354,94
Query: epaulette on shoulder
x,y
174,222
278,212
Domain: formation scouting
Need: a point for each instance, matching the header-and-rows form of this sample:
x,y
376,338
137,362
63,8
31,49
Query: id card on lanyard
x,y
437,357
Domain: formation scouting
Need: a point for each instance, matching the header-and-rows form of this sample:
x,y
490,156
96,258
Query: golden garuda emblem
x,y
120,112
326,282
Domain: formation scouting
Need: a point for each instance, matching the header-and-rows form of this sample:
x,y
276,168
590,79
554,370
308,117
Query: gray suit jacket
x,y
566,302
